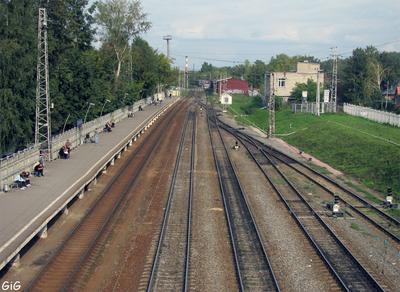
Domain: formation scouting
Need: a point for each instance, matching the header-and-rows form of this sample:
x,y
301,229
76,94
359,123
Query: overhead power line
x,y
212,59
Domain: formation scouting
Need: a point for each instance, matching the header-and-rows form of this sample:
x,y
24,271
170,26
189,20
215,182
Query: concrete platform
x,y
25,213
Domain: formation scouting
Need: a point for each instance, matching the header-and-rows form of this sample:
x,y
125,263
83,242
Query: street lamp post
x,y
104,104
90,104
65,124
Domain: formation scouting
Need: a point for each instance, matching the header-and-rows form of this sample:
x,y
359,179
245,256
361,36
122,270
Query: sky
x,y
226,33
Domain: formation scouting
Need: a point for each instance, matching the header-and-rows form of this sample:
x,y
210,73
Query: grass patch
x,y
394,212
345,142
355,226
367,194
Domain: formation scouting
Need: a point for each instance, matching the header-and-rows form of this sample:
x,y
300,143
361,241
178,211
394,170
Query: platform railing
x,y
312,108
26,159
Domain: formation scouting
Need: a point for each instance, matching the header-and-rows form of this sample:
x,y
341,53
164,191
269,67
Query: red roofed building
x,y
232,86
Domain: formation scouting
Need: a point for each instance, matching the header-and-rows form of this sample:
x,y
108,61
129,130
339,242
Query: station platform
x,y
24,213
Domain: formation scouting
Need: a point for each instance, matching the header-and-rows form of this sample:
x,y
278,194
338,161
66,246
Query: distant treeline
x,y
362,77
79,72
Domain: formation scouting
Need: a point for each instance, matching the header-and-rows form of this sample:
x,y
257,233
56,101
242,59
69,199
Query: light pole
x,y
318,102
65,124
167,38
104,104
90,104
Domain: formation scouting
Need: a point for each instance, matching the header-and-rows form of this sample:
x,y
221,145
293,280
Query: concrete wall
x,y
306,67
371,114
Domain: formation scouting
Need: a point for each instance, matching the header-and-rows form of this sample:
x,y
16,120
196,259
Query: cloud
x,y
246,29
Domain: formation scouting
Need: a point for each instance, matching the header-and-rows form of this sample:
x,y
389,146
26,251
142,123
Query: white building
x,y
284,82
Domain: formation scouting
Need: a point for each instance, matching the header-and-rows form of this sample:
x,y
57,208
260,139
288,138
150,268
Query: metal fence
x,y
311,107
26,159
372,114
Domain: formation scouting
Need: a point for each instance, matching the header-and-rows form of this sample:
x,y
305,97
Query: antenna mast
x,y
43,123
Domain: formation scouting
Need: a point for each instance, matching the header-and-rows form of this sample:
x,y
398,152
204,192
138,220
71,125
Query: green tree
x,y
281,63
121,21
361,77
310,87
17,72
69,37
257,74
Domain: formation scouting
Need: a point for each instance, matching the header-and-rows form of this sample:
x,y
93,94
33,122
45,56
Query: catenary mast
x,y
43,123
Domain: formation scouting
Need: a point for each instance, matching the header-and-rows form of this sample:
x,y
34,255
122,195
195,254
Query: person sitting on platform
x,y
66,152
20,181
63,153
140,108
68,145
38,170
25,175
107,127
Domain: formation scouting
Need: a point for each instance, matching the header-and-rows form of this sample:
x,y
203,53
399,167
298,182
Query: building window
x,y
281,82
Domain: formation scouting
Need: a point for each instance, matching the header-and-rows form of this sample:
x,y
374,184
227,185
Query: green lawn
x,y
353,145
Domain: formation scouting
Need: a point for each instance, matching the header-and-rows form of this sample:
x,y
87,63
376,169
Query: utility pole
x,y
168,38
220,86
271,117
334,75
318,101
43,122
179,77
186,72
265,88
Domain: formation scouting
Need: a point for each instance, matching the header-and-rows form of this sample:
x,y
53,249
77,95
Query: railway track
x,y
170,269
253,268
65,263
347,270
381,220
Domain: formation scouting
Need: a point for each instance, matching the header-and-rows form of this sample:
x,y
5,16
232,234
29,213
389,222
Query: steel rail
x,y
157,255
330,180
345,285
271,151
228,218
247,208
100,230
190,208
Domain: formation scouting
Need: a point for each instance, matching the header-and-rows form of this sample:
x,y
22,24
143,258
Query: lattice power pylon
x,y
43,123
334,75
271,106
